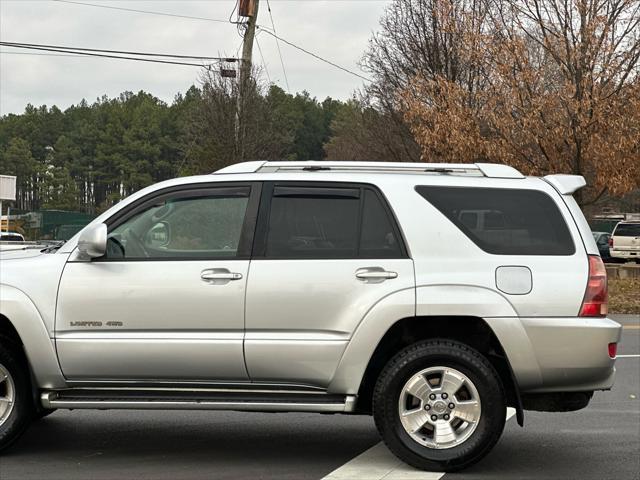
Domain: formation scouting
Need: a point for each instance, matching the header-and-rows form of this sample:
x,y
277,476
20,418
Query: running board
x,y
196,400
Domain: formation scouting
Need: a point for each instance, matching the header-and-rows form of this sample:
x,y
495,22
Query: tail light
x,y
596,296
611,241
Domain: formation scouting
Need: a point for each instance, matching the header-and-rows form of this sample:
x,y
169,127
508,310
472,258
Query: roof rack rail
x,y
492,170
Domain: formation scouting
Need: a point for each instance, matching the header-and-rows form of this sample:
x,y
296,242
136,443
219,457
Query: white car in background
x,y
11,237
625,241
11,241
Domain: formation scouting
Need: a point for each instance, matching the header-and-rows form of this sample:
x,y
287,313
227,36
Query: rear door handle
x,y
219,276
374,274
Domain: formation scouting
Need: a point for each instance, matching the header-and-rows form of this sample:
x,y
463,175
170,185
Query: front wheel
x,y
439,405
16,403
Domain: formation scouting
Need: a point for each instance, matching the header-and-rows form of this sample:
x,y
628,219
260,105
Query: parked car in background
x,y
602,241
11,237
625,241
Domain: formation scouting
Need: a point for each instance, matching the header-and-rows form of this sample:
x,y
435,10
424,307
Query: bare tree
x,y
363,132
417,37
219,135
426,38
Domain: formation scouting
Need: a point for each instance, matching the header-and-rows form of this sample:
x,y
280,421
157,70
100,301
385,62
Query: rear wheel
x,y
439,405
16,404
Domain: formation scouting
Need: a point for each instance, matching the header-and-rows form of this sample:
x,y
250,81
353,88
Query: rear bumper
x,y
561,354
625,253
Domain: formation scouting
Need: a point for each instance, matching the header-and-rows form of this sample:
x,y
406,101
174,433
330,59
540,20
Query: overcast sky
x,y
336,29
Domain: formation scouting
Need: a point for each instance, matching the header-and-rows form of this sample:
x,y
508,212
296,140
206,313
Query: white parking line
x,y
628,356
379,463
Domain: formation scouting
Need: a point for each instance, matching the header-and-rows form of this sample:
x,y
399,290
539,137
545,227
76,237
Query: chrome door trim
x,y
192,386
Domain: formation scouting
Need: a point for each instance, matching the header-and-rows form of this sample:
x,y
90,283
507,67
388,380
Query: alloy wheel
x,y
439,407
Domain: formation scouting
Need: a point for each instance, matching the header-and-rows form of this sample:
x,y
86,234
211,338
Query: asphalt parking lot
x,y
599,442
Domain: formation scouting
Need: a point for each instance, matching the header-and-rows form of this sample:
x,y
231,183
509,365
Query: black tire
x,y
13,361
442,353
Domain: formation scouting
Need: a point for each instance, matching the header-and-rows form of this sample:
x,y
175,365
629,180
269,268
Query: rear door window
x,y
504,221
313,223
308,222
627,230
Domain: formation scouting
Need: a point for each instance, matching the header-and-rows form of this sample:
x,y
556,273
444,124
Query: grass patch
x,y
624,295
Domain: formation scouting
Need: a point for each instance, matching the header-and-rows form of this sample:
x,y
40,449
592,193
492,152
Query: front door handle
x,y
374,274
219,276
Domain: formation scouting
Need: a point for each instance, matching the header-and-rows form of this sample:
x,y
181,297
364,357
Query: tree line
x,y
93,154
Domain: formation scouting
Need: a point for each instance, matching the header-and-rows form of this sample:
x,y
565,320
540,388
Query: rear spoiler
x,y
566,184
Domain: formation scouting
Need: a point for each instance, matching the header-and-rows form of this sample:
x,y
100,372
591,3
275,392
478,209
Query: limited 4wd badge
x,y
110,323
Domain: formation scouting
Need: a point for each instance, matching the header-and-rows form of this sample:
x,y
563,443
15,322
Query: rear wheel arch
x,y
472,331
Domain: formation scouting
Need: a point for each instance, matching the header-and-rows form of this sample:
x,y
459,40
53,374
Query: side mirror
x,y
159,236
93,241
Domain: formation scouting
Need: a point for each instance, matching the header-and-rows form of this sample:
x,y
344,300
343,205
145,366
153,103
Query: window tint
x,y
627,230
207,226
311,222
377,239
504,221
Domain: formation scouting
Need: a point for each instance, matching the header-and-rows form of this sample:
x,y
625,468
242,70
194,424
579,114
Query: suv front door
x,y
167,300
324,255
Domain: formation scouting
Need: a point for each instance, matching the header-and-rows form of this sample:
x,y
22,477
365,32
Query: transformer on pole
x,y
247,8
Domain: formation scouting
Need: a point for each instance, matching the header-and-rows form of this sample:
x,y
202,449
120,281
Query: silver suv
x,y
432,296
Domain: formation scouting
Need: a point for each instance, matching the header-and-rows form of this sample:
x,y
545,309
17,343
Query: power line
x,y
318,57
121,52
150,12
89,54
273,25
261,27
263,62
40,54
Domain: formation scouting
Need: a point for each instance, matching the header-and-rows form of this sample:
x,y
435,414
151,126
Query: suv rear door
x,y
324,254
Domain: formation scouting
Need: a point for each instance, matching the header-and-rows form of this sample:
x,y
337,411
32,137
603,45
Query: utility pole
x,y
249,36
249,9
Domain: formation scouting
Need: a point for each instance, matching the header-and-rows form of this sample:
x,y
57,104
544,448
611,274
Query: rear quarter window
x,y
504,221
